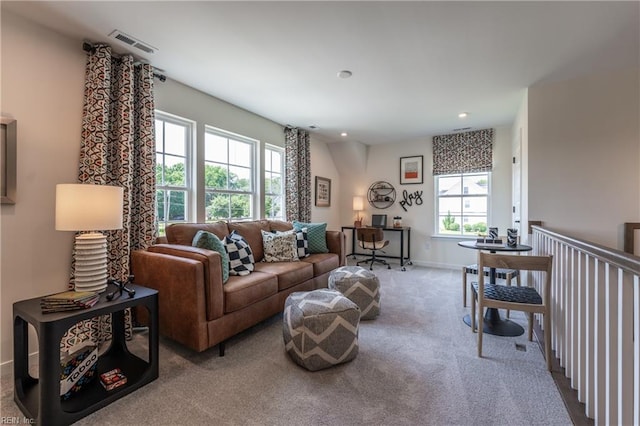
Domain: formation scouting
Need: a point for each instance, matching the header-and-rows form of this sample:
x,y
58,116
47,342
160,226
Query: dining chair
x,y
372,239
503,274
526,298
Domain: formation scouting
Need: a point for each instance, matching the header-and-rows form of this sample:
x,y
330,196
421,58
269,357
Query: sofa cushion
x,y
323,262
251,233
287,273
316,234
241,258
280,225
242,291
183,233
209,241
280,246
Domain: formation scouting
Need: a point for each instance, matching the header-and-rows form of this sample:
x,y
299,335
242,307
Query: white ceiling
x,y
415,65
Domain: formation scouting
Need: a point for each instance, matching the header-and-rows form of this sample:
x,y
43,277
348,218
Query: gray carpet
x,y
417,365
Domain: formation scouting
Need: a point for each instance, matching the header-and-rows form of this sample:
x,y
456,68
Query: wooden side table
x,y
39,398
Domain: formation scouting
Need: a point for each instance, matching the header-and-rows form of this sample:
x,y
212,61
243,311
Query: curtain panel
x,y
466,152
297,175
118,148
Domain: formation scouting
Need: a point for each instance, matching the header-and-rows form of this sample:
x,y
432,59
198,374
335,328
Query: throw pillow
x,y
302,243
316,234
207,240
240,255
280,246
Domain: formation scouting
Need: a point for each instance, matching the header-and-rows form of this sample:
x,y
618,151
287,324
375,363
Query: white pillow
x,y
280,246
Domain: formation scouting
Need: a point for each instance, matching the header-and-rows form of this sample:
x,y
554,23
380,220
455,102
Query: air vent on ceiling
x,y
132,41
461,129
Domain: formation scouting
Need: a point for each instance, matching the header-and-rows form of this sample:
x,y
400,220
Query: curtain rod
x,y
90,48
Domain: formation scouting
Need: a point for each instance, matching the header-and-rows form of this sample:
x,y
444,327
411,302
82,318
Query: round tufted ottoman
x,y
320,328
361,286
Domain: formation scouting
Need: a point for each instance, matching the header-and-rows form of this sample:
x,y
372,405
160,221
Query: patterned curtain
x,y
463,152
298,174
118,148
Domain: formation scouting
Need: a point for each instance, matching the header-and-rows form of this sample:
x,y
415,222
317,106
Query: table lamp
x,y
358,206
89,208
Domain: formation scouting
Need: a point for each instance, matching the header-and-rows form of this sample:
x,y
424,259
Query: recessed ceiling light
x,y
463,114
344,134
345,74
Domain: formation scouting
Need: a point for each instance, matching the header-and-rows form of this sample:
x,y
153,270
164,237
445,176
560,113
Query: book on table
x,y
68,301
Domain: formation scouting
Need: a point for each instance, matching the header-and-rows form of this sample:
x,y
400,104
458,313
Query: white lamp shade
x,y
358,203
86,207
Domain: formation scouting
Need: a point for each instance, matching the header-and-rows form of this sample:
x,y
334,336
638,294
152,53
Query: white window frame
x,y
189,125
269,173
462,195
254,192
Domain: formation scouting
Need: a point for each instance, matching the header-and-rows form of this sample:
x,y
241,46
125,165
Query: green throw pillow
x,y
209,241
316,235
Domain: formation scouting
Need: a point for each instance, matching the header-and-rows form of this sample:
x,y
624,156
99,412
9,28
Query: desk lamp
x,y
358,206
89,208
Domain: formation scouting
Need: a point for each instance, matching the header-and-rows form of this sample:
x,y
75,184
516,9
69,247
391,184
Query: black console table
x,y
402,230
39,399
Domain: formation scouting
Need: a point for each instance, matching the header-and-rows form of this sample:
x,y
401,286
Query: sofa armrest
x,y
212,273
336,242
180,285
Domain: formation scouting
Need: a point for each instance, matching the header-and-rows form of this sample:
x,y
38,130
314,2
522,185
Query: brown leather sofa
x,y
197,310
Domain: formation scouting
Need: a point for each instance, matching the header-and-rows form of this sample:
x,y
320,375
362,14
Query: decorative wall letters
x,y
410,199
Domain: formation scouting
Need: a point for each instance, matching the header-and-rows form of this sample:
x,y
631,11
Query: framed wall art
x,y
411,170
323,192
8,142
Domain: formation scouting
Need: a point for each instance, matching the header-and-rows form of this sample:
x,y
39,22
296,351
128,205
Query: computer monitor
x,y
379,220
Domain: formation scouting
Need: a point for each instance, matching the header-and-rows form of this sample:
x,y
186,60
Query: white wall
x,y
383,163
322,165
584,146
42,88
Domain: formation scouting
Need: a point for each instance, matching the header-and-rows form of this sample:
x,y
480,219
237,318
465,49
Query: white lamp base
x,y
91,262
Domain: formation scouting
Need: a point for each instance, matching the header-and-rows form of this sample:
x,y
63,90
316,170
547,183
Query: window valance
x,y
466,152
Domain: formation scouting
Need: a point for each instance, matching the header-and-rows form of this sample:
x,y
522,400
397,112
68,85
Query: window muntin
x,y
173,142
462,203
273,183
229,170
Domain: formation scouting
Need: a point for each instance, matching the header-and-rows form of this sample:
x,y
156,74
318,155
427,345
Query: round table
x,y
492,323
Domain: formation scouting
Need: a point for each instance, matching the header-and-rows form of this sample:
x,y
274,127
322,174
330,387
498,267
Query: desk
x,y
39,398
403,230
492,322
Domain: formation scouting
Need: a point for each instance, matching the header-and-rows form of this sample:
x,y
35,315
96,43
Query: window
x,y
462,203
229,162
273,183
173,183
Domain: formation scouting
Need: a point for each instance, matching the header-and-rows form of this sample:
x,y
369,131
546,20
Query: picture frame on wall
x,y
323,192
8,148
411,170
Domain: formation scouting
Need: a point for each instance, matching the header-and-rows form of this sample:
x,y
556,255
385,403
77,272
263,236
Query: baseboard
x,y
6,368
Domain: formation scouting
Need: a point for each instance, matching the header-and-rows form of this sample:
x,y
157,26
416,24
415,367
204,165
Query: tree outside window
x,y
462,204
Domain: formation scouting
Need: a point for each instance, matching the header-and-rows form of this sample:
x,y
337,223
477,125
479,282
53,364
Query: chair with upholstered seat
x,y
372,239
503,274
527,299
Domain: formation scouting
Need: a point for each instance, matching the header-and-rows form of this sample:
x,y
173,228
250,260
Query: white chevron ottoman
x,y
320,328
361,286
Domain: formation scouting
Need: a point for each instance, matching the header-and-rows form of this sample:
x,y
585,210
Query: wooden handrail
x,y
629,236
612,256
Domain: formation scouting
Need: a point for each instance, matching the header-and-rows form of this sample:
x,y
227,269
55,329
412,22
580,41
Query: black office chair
x,y
372,239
